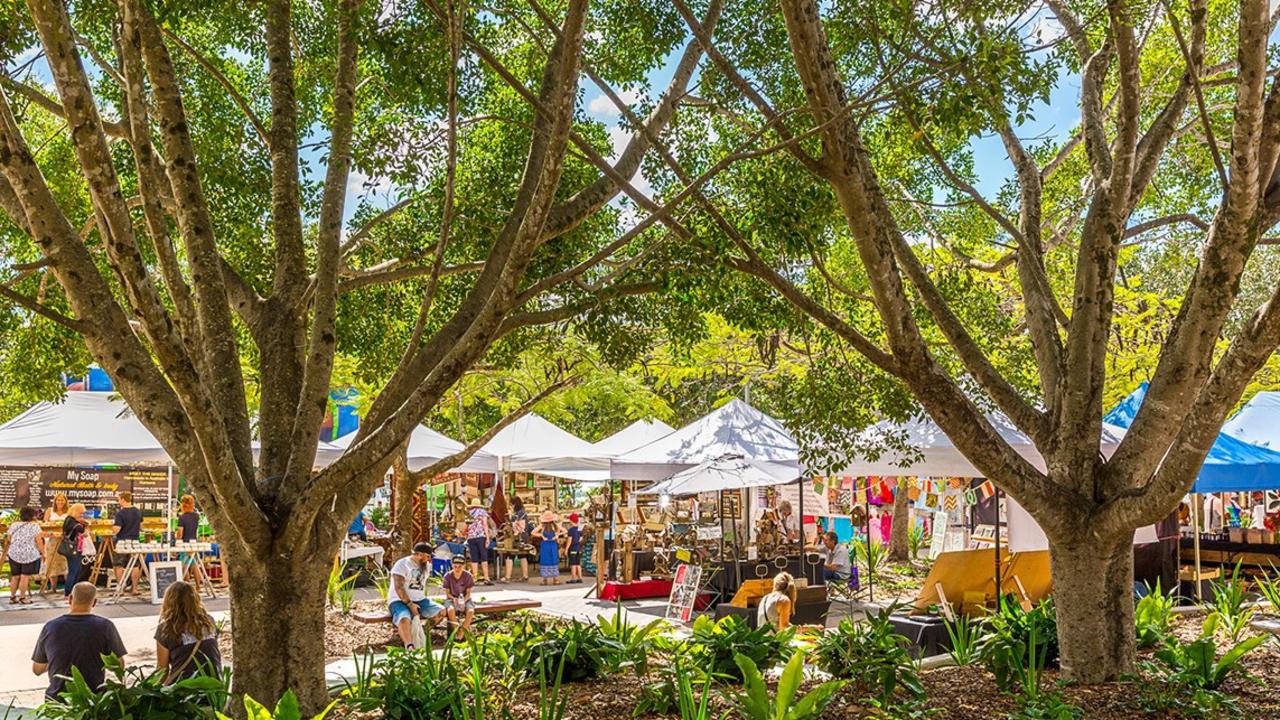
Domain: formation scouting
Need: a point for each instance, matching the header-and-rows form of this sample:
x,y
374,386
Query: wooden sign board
x,y
162,575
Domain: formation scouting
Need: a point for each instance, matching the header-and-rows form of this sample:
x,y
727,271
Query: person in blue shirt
x,y
357,528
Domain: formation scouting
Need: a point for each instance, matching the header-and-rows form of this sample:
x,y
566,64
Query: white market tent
x,y
85,429
928,452
638,433
727,473
1258,422
532,444
426,447
91,428
735,428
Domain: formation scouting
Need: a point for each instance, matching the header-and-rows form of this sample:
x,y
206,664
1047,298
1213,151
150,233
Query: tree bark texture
x,y
1093,594
403,488
278,625
901,522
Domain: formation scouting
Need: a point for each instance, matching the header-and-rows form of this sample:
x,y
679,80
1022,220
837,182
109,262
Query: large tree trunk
x,y
402,491
1093,593
278,626
898,550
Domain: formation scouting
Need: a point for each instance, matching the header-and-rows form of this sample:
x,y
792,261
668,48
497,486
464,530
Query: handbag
x,y
65,547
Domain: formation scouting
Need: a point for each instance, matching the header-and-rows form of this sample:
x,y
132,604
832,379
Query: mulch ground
x,y
952,693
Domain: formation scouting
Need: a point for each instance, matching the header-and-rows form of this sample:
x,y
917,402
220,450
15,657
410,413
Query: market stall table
x,y
646,589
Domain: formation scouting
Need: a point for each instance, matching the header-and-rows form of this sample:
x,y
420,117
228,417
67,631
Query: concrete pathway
x,y
136,621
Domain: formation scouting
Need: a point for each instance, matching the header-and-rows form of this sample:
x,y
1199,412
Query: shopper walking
x,y
186,637
26,547
478,535
75,541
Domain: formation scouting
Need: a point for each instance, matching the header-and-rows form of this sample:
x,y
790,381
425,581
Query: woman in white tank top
x,y
776,607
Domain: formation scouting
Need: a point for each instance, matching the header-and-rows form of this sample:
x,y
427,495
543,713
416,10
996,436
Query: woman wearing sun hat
x,y
478,540
549,549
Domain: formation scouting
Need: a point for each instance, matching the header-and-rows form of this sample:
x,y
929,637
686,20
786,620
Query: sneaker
x,y
410,646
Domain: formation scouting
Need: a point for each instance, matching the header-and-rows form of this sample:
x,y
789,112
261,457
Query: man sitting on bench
x,y
408,598
457,591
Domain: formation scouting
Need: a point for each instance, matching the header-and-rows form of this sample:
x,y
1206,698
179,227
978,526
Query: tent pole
x,y
1195,539
608,558
168,505
800,524
997,576
866,529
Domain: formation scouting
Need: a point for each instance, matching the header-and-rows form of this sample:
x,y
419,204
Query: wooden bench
x,y
491,607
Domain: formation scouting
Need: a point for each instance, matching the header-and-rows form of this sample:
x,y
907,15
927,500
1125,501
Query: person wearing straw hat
x,y
478,540
549,549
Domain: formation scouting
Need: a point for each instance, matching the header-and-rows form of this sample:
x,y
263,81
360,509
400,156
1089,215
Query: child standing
x,y
575,551
549,550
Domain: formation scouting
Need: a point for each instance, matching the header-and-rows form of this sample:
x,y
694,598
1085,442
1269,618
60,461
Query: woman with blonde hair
x,y
54,565
58,511
72,545
186,637
776,607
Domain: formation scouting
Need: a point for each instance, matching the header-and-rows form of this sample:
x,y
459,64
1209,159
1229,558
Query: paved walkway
x,y
136,621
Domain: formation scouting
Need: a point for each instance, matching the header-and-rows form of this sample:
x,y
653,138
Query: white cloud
x,y
602,105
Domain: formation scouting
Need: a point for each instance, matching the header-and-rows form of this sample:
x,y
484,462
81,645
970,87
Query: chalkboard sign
x,y
162,575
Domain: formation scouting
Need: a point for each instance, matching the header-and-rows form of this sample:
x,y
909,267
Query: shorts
x,y
426,608
478,550
29,568
575,557
468,605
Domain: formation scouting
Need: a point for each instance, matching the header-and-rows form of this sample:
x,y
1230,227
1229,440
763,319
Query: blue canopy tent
x,y
1232,465
1258,422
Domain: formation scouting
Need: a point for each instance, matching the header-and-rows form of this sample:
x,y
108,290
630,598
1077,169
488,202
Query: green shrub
x,y
964,635
757,704
286,709
715,643
1229,598
916,540
1006,646
870,654
133,693
1196,664
584,649
1153,616
635,643
409,685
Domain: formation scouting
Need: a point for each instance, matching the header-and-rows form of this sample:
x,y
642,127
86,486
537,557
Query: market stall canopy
x,y
532,444
638,433
726,473
426,447
1258,422
919,448
1232,465
85,429
735,428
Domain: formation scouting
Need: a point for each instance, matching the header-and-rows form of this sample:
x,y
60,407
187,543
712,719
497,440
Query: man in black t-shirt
x,y
127,526
78,640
